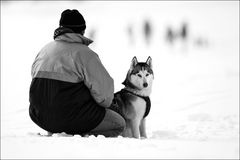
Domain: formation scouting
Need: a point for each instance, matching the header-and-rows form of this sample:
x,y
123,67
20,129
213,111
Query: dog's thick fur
x,y
132,101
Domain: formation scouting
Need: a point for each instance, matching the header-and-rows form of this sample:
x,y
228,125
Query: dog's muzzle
x,y
145,85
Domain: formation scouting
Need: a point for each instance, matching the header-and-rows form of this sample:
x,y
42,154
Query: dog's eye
x,y
139,75
147,74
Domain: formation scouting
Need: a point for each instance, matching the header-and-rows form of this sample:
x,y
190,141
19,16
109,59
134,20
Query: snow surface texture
x,y
195,98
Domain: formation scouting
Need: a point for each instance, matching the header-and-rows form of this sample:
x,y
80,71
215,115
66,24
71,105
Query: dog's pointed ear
x,y
125,82
149,61
134,62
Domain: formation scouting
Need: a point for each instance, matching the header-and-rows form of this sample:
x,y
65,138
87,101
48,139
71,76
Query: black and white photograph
x,y
119,79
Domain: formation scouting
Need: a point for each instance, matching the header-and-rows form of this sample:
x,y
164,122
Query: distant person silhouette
x,y
92,34
130,34
170,36
184,31
147,31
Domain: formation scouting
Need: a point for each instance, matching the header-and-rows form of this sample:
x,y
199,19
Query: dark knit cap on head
x,y
73,20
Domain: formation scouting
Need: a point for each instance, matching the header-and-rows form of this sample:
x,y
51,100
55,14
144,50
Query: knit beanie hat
x,y
73,20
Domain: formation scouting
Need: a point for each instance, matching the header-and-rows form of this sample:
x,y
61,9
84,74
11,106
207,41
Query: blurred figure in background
x,y
170,36
147,31
184,36
178,38
130,34
184,31
92,34
71,91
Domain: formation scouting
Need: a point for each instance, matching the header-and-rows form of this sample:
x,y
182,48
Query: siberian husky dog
x,y
133,100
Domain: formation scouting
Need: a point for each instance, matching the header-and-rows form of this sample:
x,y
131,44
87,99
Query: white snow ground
x,y
195,99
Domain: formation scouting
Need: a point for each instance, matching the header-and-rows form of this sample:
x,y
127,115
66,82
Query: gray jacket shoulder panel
x,y
75,62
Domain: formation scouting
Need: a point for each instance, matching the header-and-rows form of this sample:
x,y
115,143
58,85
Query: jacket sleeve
x,y
99,82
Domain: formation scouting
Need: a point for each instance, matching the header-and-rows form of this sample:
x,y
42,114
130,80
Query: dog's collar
x,y
135,92
131,91
129,85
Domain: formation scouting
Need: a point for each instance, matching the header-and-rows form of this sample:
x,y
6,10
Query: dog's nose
x,y
145,85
